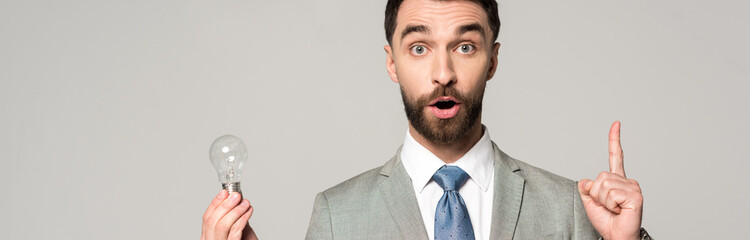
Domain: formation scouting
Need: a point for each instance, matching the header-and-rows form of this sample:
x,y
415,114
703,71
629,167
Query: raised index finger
x,y
616,165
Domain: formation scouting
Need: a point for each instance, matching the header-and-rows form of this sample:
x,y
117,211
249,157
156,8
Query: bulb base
x,y
232,187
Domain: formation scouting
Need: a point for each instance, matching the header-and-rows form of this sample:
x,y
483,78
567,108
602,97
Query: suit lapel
x,y
400,199
507,198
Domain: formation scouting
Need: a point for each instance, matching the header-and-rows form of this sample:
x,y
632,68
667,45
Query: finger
x,y
227,205
214,203
614,199
596,188
609,184
224,226
615,150
584,187
239,226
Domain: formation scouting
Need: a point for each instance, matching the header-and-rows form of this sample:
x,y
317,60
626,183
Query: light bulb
x,y
228,155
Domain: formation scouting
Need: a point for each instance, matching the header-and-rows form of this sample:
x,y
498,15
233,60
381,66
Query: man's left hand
x,y
613,203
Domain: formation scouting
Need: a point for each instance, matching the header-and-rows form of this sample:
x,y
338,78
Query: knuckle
x,y
594,194
236,228
639,198
209,219
613,193
212,220
223,227
595,200
596,189
236,212
635,185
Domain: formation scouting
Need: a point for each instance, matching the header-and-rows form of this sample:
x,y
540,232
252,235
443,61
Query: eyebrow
x,y
473,27
414,29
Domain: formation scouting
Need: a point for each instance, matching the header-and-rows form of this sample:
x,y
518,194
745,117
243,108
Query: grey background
x,y
108,107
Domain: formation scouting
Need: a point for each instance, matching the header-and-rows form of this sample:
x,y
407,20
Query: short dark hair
x,y
489,6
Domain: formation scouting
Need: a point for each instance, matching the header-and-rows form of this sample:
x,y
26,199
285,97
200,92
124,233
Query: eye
x,y
418,50
466,48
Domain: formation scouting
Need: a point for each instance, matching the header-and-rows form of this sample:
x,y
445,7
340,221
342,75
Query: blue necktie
x,y
451,217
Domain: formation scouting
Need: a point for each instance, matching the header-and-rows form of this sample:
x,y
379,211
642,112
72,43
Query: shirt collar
x,y
421,164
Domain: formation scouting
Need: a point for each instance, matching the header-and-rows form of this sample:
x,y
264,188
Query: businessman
x,y
449,180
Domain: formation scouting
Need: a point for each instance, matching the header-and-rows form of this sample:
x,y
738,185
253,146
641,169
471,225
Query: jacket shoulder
x,y
362,183
538,176
353,208
365,183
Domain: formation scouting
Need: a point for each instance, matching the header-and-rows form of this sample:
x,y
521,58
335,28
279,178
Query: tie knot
x,y
450,177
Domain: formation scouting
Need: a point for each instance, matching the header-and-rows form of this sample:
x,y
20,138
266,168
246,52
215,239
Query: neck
x,y
452,151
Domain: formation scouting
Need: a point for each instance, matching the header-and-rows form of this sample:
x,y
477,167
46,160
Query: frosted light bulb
x,y
228,155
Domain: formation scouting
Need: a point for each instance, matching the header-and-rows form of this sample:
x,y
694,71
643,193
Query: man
x,y
449,180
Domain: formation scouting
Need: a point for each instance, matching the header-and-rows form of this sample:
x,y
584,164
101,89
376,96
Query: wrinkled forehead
x,y
440,15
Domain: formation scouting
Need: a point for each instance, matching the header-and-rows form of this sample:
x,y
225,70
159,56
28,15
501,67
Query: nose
x,y
442,69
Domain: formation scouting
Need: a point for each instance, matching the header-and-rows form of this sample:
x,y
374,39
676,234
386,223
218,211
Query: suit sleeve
x,y
582,225
320,221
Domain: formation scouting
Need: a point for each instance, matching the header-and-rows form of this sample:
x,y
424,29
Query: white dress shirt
x,y
477,192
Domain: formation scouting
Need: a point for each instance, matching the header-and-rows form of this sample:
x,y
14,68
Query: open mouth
x,y
445,104
444,107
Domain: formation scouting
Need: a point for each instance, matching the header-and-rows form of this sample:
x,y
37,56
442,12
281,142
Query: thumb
x,y
584,187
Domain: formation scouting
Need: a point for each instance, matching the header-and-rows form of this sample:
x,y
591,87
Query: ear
x,y
493,61
390,64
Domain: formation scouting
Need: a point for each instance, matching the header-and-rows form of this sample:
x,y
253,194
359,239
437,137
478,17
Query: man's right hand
x,y
226,218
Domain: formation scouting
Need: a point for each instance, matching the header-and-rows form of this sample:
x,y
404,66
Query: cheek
x,y
472,73
414,77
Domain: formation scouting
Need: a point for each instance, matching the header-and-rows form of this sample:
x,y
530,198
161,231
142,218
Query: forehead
x,y
440,14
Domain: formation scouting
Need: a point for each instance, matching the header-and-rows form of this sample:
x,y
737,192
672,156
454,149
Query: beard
x,y
438,130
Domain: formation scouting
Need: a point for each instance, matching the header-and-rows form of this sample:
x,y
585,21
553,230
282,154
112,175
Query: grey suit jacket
x,y
528,203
